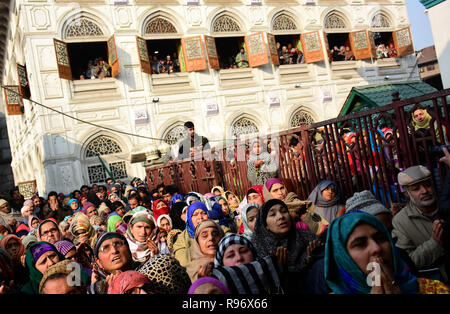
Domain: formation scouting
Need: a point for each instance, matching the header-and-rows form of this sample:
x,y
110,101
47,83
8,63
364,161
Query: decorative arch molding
x,y
282,20
93,134
232,16
300,108
239,122
336,21
300,117
168,16
90,22
380,20
174,133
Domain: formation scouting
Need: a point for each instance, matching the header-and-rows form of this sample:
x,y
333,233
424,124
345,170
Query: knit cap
x,y
28,203
24,209
64,246
86,205
366,202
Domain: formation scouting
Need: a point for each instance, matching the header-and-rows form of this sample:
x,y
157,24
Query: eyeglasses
x,y
46,233
116,244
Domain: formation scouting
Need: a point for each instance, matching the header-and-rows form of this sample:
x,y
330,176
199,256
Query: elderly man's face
x,y
6,208
422,193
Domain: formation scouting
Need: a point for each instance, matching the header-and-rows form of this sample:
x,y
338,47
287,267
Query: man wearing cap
x,y
417,229
192,143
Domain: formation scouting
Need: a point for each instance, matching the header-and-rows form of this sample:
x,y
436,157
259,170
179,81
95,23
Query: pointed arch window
x,y
380,20
301,118
102,145
244,126
83,27
225,24
160,25
284,22
335,21
174,135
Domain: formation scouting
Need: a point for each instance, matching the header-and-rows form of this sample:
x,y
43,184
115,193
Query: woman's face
x,y
224,206
329,193
232,200
46,260
278,191
217,192
419,115
237,254
121,211
198,216
13,248
278,220
252,214
165,224
365,242
141,231
256,148
208,240
34,223
160,205
74,205
255,198
113,255
71,254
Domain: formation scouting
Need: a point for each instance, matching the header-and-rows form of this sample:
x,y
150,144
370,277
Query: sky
x,y
420,25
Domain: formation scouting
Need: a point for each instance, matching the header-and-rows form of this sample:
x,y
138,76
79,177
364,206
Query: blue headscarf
x,y
74,200
191,209
175,198
342,274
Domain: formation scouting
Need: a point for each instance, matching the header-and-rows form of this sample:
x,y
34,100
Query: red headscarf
x,y
258,189
126,281
162,211
4,241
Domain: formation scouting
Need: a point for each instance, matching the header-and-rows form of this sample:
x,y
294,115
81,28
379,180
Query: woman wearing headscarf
x,y
237,266
177,198
131,282
249,215
114,221
112,256
217,190
166,274
63,270
82,230
327,199
232,199
74,205
16,250
228,219
421,120
207,237
33,223
208,285
138,235
48,230
160,207
6,273
176,213
196,213
261,166
39,257
275,233
301,211
357,239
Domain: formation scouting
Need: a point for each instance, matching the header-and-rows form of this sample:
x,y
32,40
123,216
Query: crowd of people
x,y
122,238
96,69
386,51
170,64
289,54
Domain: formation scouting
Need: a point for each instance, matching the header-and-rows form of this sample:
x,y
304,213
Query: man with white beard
x,y
417,227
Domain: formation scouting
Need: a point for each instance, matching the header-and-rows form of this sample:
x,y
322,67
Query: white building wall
x,y
58,143
440,24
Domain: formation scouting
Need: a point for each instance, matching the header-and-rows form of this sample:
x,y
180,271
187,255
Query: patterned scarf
x,y
139,250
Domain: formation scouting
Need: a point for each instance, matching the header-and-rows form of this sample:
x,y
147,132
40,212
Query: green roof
x,y
371,96
430,3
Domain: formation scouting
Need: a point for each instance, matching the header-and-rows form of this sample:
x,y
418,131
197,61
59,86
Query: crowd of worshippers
x,y
289,54
170,64
96,69
129,239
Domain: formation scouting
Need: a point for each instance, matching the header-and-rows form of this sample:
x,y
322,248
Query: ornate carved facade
x,y
149,109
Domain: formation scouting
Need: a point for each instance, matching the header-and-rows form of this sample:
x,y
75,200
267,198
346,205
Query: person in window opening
x,y
293,54
336,56
168,65
176,62
192,143
155,65
349,56
284,58
104,69
391,50
242,59
91,71
279,51
161,67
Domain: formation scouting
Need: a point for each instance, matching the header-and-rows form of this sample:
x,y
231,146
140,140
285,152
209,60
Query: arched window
x,y
160,25
380,20
301,118
102,145
83,27
175,134
244,126
112,158
225,24
284,22
334,21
